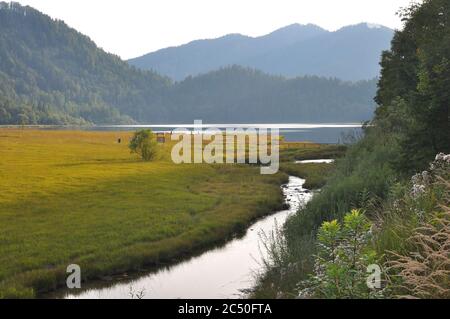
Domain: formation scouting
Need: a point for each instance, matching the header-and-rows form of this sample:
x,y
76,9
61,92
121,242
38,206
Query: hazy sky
x,y
131,28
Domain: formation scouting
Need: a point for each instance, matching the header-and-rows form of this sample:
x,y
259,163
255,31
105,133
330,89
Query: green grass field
x,y
80,197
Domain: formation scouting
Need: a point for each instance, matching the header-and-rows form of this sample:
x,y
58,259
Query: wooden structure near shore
x,y
161,137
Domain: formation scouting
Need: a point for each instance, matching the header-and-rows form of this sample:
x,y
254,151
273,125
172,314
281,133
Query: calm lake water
x,y
218,273
314,132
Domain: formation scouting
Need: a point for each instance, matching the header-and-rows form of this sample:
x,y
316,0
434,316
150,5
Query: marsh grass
x,y
291,152
80,197
424,272
315,174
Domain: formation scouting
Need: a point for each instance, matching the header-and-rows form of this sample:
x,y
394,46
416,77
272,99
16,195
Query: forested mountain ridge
x,y
351,53
52,74
243,95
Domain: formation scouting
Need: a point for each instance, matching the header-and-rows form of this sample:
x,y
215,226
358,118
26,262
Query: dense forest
x,y
51,74
241,95
406,219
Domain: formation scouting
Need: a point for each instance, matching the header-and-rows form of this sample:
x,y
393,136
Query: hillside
x,y
52,74
351,53
241,95
202,56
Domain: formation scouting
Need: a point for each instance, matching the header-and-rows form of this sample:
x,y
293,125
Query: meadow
x,y
81,197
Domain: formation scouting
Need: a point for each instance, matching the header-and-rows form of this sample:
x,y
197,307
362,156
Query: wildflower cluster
x,y
421,181
441,162
422,184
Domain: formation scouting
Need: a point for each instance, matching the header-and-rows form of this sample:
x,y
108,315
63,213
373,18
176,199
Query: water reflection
x,y
321,161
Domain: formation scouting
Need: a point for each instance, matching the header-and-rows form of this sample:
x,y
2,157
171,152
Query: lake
x,y
331,133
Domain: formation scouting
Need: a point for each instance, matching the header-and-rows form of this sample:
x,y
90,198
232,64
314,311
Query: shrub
x,y
144,144
343,255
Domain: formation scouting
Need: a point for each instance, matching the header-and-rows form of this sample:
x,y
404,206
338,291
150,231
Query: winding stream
x,y
218,273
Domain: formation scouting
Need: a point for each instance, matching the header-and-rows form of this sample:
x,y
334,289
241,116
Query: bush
x,y
144,144
343,255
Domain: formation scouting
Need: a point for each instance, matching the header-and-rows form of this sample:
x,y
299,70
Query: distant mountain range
x,y
52,74
351,53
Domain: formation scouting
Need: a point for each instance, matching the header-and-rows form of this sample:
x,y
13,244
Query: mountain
x,y
351,53
242,95
52,74
202,56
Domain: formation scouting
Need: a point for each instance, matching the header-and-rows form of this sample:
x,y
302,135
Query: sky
x,y
135,27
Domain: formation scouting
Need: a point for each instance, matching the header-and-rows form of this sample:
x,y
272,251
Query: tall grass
x,y
425,271
420,267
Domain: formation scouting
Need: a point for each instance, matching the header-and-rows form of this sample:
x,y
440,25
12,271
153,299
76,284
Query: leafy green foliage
x,y
416,71
341,261
410,127
384,157
144,144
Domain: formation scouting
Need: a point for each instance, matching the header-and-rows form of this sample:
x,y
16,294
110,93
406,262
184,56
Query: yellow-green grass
x,y
290,152
315,174
80,197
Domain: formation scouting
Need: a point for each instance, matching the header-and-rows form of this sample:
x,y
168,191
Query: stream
x,y
222,272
